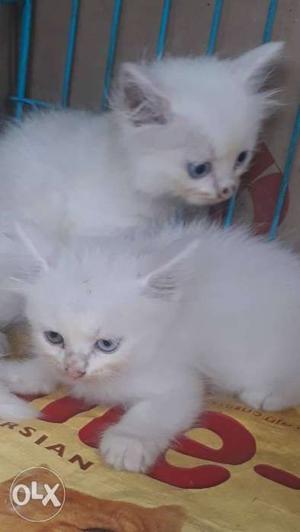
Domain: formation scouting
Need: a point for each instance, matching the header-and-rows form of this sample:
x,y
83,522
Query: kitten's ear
x,y
253,67
20,261
31,245
139,98
165,280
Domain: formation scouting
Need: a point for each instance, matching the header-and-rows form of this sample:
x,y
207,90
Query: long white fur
x,y
186,302
73,172
76,173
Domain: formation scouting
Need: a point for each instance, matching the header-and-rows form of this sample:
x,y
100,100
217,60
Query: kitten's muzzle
x,y
226,192
217,195
74,371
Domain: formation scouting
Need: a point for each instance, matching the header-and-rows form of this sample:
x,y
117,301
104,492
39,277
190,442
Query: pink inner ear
x,y
144,110
134,96
164,284
147,113
142,98
165,277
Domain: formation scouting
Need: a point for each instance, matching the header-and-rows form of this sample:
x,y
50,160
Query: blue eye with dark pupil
x,y
107,345
199,170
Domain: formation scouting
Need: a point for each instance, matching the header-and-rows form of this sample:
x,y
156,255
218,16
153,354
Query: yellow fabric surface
x,y
246,501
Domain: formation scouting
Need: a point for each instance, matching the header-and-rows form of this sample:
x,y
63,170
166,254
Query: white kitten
x,y
103,335
138,320
181,129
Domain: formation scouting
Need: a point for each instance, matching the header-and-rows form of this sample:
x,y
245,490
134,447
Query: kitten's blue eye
x,y
241,158
54,337
197,171
107,345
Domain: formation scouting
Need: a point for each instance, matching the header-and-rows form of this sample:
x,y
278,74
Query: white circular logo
x,y
37,494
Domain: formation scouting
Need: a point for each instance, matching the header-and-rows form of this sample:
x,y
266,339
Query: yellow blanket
x,y
240,471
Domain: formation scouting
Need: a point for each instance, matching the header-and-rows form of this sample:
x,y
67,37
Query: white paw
x,y
123,451
15,409
264,400
27,388
28,376
253,398
275,402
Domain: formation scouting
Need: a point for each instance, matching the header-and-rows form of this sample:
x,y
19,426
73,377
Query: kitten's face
x,y
90,322
192,124
179,160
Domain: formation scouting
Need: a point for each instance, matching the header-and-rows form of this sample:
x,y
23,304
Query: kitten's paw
x,y
28,376
15,409
276,401
253,398
123,451
28,387
262,400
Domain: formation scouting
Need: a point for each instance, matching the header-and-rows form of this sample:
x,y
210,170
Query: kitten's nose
x,y
74,373
227,191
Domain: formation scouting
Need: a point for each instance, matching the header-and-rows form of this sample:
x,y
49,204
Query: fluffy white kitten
x,y
180,130
139,320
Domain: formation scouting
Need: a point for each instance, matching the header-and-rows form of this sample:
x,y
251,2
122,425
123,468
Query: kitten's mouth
x,y
200,198
203,200
70,380
74,374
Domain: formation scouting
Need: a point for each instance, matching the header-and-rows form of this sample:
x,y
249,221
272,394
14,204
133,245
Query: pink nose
x,y
227,191
75,373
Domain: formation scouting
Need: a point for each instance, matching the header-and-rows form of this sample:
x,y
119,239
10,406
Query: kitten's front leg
x,y
28,376
13,408
149,426
25,376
